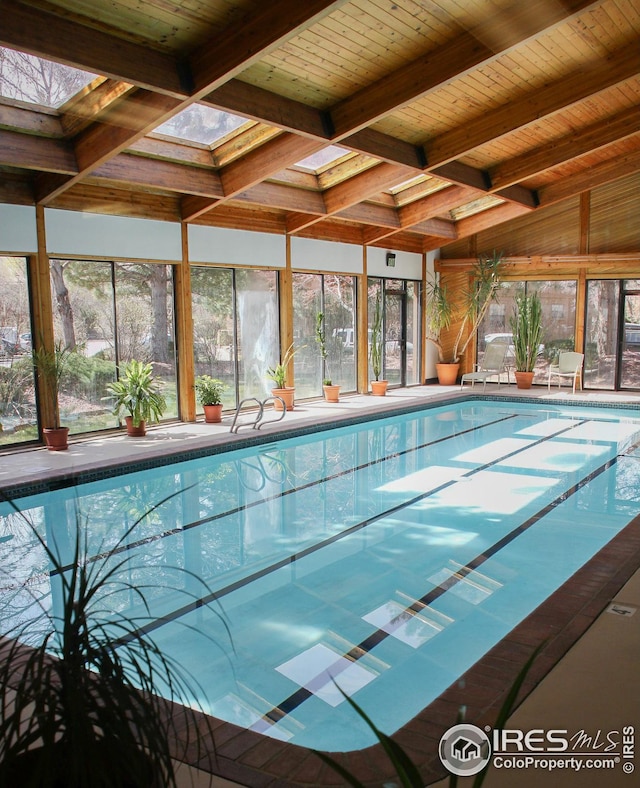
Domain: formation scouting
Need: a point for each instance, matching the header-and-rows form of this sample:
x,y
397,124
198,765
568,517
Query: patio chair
x,y
492,364
569,366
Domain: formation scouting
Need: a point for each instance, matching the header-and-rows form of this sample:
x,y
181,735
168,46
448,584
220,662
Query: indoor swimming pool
x,y
382,559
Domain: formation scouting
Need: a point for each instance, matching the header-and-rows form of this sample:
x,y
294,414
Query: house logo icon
x,y
464,750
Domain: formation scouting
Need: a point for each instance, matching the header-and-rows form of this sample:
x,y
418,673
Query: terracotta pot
x,y
448,373
56,438
212,414
379,387
331,393
286,394
524,379
135,432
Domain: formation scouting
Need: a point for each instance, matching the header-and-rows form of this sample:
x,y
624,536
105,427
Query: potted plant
x,y
209,391
526,326
80,680
50,366
378,387
331,391
278,374
469,311
137,394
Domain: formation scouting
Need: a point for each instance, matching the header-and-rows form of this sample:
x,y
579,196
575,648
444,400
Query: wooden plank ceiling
x,y
453,117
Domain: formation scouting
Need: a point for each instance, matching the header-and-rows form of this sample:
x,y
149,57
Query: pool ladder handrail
x,y
259,420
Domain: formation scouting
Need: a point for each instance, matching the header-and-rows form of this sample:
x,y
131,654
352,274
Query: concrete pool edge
x,y
155,450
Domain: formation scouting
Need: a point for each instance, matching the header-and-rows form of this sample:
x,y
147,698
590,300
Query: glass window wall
x,y
18,418
235,329
108,314
558,299
334,297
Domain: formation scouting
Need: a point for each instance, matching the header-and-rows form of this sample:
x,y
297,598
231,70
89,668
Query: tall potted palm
x,y
378,387
468,311
50,366
526,326
138,396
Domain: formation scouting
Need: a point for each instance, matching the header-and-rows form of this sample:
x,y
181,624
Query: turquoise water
x,y
384,558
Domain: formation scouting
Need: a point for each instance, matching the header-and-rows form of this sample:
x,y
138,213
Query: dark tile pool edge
x,y
121,466
259,762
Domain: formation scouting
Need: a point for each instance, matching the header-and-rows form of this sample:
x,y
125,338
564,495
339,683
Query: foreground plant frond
x,y
85,696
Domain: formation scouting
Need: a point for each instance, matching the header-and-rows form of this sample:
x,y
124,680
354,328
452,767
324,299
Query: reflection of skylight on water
x,y
201,124
39,81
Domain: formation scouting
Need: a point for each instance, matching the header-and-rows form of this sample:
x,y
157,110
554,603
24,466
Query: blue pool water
x,y
385,558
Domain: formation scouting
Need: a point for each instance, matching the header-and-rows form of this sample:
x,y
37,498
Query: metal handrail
x,y
258,421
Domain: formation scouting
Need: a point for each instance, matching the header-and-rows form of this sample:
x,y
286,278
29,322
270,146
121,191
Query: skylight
x,y
39,81
202,124
320,159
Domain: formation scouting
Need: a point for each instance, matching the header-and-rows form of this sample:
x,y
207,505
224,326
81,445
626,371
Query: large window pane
x,y
145,329
83,319
332,295
213,328
110,313
630,355
18,422
601,334
258,330
339,312
558,299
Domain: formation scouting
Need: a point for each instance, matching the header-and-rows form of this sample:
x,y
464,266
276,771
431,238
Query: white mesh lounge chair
x,y
569,366
492,364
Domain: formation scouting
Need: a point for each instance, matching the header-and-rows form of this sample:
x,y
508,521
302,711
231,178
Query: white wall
x,y
98,235
236,247
18,229
408,264
308,254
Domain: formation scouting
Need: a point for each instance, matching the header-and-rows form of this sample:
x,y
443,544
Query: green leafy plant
x,y
51,366
406,771
137,394
79,682
278,373
469,312
526,325
375,353
209,390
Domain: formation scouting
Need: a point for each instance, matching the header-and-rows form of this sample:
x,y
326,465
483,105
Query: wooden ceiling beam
x,y
284,197
485,220
56,38
84,108
264,106
247,40
620,66
507,27
434,205
578,143
36,153
165,175
598,175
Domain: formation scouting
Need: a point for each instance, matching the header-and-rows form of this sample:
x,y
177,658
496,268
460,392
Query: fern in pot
x,y
526,326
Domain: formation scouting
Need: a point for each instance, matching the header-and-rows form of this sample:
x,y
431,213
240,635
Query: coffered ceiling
x,y
447,117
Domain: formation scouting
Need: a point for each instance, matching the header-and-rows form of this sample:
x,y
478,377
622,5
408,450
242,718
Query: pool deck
x,y
585,677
